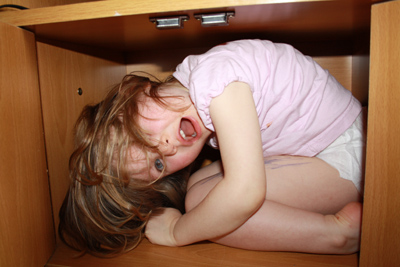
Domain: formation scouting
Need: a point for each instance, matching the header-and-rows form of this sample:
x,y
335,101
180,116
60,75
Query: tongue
x,y
187,127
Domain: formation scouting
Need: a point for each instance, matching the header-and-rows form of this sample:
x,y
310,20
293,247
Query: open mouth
x,y
187,130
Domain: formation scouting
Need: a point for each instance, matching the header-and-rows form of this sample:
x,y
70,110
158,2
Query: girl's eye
x,y
159,165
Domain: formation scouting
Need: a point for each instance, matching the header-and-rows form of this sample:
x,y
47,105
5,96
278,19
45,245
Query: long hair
x,y
105,211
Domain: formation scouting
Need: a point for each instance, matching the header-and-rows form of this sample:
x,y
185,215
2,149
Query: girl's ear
x,y
147,88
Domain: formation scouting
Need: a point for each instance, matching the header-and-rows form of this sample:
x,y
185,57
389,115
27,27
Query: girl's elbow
x,y
259,197
252,200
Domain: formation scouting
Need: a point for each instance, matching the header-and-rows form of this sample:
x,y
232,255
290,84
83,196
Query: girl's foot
x,y
347,228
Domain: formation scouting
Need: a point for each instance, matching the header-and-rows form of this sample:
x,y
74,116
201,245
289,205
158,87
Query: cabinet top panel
x,y
113,8
126,25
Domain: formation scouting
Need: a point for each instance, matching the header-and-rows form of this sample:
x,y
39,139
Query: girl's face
x,y
179,135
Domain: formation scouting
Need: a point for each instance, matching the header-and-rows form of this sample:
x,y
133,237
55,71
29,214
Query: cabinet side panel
x,y
380,244
62,73
26,224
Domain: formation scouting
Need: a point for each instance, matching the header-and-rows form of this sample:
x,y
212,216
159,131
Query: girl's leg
x,y
277,227
299,191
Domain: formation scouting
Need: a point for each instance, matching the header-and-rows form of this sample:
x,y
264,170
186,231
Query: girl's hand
x,y
160,227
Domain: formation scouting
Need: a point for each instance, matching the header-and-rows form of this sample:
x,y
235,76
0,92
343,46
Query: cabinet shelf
x,y
125,25
112,8
201,254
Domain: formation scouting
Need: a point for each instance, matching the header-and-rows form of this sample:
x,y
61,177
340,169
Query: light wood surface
x,y
41,3
381,222
26,224
62,73
202,254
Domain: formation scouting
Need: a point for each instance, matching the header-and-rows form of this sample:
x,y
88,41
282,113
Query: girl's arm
x,y
300,191
240,193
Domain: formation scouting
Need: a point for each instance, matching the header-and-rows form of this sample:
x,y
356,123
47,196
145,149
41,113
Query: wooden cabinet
x,y
26,224
87,47
380,244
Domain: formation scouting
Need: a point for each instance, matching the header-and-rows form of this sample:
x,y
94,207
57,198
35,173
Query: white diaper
x,y
347,152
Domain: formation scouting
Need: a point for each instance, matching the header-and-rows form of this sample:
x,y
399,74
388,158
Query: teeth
x,y
184,135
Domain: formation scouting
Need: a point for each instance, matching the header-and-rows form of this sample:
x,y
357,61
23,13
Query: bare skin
x,y
308,208
278,203
234,199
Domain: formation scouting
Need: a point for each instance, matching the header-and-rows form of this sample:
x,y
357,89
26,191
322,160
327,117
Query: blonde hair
x,y
105,211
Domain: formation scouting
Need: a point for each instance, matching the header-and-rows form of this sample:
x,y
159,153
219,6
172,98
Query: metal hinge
x,y
175,22
215,19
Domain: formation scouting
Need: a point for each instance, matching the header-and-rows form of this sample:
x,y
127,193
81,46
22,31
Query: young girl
x,y
291,143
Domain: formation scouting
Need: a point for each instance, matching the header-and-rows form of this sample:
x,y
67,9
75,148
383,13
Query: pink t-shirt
x,y
301,107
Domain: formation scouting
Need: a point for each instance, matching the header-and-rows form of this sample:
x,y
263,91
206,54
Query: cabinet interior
x,y
95,52
334,32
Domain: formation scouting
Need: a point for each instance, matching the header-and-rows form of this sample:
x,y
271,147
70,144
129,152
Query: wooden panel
x,y
125,25
380,244
202,254
339,67
360,77
41,3
112,8
26,225
62,73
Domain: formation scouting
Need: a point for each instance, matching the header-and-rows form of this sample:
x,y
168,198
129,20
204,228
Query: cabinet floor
x,y
201,254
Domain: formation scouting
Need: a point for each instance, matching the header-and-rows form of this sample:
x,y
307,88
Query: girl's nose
x,y
167,148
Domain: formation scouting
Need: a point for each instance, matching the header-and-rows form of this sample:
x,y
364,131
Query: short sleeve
x,y
207,75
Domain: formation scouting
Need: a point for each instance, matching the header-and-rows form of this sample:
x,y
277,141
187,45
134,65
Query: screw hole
x,y
80,92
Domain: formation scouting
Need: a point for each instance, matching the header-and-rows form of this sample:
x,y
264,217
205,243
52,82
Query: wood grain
x,y
280,22
62,73
41,3
26,224
112,8
202,254
380,244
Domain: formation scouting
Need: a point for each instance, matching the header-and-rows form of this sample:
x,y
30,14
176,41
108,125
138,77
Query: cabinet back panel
x,y
62,73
